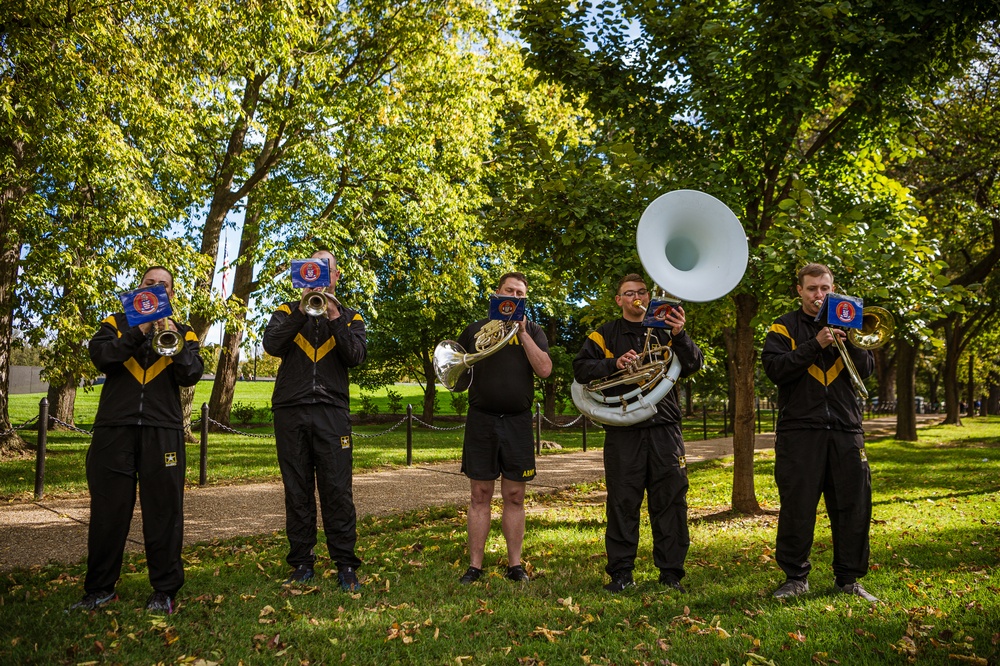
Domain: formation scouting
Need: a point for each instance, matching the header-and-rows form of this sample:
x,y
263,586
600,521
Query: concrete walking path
x,y
35,533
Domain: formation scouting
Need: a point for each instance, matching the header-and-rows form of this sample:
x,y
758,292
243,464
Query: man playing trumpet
x,y
138,440
819,446
312,426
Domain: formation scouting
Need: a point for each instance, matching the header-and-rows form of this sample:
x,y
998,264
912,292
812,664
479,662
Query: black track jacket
x,y
315,354
142,387
814,388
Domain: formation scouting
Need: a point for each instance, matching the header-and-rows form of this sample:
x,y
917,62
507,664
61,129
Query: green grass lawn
x,y
935,554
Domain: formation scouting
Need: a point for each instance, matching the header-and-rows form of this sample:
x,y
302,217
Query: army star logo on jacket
x,y
345,442
170,459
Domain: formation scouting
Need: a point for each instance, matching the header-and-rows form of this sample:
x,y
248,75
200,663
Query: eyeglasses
x,y
631,293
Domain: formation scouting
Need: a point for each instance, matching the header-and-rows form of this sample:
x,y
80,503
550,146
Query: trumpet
x,y
166,342
314,302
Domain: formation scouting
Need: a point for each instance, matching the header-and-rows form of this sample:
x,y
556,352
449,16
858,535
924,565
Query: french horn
x,y
694,248
453,365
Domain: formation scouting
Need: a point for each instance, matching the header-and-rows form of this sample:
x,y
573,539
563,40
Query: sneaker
x,y
94,600
160,602
619,581
471,575
791,588
302,573
671,581
348,579
517,574
858,591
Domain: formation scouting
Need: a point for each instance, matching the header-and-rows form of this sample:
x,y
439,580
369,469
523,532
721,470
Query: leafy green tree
x,y
955,176
764,105
323,124
83,93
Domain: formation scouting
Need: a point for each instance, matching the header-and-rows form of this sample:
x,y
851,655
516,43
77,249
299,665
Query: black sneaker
x,y
619,581
858,591
471,575
791,588
94,600
348,579
671,581
160,602
302,573
517,574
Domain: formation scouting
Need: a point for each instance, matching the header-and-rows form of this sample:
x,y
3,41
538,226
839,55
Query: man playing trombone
x,y
819,445
648,456
312,427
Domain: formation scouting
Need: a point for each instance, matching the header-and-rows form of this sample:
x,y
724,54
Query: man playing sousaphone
x,y
498,438
645,457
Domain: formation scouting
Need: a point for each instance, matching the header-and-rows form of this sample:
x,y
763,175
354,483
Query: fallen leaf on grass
x,y
549,634
969,659
797,636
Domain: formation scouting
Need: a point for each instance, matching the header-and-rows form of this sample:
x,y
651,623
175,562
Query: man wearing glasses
x,y
645,457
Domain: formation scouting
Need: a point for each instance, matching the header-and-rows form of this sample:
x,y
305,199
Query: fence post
x,y
409,434
538,428
758,415
203,458
725,418
584,431
704,422
43,437
773,422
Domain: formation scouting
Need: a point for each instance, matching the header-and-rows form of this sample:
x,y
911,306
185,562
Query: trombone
x,y
877,326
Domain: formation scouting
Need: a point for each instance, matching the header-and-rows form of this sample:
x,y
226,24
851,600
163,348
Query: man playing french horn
x,y
648,456
819,446
498,438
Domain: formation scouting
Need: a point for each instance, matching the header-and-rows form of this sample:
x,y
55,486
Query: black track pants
x,y
810,463
120,457
315,450
636,462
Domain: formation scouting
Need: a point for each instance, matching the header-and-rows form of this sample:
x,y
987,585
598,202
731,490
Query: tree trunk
x,y
549,385
993,401
906,411
430,389
885,374
952,339
970,387
743,352
227,371
933,385
62,398
11,443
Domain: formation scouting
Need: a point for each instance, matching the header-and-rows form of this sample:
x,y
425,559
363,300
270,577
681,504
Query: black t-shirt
x,y
503,383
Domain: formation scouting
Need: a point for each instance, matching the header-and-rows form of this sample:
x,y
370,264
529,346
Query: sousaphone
x,y
694,248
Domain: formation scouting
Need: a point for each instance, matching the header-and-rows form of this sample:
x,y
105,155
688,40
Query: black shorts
x,y
498,444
